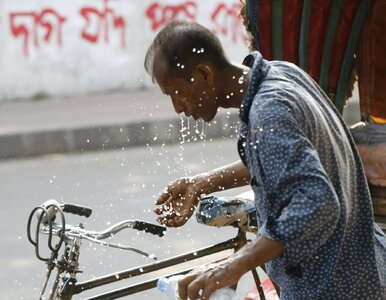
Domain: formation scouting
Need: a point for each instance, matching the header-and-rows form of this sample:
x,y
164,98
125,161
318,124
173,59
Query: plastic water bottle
x,y
225,294
169,286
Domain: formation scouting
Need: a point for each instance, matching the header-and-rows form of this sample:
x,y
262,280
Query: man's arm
x,y
223,178
179,200
202,283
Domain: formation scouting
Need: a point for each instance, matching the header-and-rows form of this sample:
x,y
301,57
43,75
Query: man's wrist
x,y
204,184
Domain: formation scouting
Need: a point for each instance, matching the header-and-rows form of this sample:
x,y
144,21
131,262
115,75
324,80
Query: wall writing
x,y
37,27
28,25
89,46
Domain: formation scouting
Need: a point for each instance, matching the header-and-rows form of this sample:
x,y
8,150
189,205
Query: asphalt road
x,y
117,185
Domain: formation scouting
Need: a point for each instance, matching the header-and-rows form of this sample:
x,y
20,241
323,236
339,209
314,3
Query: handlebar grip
x,y
77,210
149,227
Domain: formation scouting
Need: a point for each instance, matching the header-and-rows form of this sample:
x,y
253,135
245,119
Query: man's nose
x,y
178,105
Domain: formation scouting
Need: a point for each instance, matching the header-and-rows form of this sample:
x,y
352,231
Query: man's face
x,y
191,96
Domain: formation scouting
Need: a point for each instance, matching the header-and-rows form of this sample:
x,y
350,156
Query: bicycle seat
x,y
238,211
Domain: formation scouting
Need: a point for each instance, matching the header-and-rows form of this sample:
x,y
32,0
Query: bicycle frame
x,y
65,284
234,243
71,287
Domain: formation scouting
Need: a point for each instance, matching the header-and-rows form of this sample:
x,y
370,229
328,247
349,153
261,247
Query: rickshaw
x,y
337,43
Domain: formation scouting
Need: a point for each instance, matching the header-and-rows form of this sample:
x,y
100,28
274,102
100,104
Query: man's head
x,y
186,59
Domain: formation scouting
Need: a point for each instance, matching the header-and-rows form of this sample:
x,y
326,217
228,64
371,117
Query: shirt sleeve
x,y
300,202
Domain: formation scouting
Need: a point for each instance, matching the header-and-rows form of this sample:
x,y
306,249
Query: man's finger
x,y
163,209
163,221
210,287
178,221
195,288
183,284
158,210
172,221
163,197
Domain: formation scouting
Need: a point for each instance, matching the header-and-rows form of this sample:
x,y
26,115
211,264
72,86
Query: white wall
x,y
43,50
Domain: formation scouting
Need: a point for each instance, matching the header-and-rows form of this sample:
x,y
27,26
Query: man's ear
x,y
204,73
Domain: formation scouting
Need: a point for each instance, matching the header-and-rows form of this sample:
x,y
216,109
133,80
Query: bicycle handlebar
x,y
50,208
149,227
77,210
46,214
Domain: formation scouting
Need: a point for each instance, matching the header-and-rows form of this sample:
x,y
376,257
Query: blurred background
x,y
81,122
66,48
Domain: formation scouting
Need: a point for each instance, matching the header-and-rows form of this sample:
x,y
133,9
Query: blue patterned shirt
x,y
310,189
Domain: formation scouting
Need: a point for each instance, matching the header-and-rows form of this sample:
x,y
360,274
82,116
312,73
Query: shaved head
x,y
182,45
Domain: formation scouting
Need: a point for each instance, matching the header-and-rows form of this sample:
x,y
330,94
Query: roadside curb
x,y
111,136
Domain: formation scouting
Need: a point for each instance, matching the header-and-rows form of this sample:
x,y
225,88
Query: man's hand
x,y
178,202
201,283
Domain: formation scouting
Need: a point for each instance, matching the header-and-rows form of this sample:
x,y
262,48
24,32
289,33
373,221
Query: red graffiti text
x,y
160,14
102,21
33,27
227,22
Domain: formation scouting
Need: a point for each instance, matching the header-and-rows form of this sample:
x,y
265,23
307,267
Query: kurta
x,y
310,189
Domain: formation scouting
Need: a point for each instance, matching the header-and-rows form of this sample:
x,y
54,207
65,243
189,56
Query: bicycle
x,y
65,284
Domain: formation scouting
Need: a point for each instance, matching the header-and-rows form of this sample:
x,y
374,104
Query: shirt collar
x,y
259,69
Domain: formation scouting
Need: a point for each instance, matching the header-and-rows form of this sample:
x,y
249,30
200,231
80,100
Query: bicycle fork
x,y
67,264
70,265
50,267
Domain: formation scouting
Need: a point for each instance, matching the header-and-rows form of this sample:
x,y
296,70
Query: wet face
x,y
194,96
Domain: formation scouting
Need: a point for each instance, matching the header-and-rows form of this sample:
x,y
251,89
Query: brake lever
x,y
118,246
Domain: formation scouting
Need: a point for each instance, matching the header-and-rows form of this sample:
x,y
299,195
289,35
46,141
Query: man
x,y
316,231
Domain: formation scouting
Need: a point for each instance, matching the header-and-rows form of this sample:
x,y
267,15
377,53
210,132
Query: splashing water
x,y
201,133
188,126
204,128
198,131
183,130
